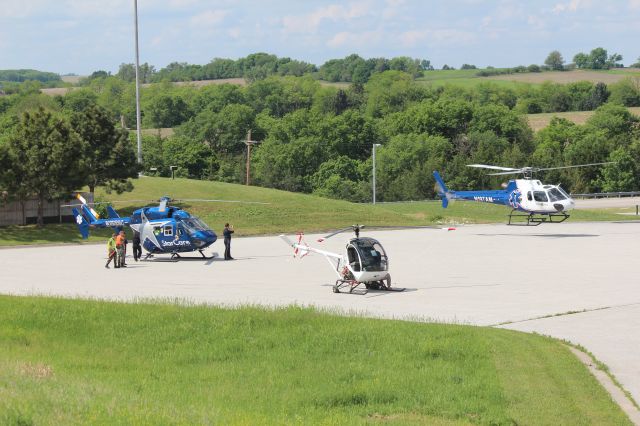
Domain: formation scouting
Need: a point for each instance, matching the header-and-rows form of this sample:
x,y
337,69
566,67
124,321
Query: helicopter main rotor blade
x,y
201,200
577,165
348,228
87,204
486,166
514,172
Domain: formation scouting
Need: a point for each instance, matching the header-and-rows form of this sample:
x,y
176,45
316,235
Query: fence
x,y
607,195
24,213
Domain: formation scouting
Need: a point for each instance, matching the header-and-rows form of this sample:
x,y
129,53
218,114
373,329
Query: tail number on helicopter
x,y
483,199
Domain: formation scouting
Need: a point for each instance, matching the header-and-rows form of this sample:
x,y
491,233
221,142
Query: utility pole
x,y
138,119
249,143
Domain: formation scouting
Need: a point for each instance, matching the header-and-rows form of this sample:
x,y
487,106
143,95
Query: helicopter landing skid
x,y
351,284
176,256
384,285
535,219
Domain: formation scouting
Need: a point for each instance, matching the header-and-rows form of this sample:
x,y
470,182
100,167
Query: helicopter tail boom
x,y
303,249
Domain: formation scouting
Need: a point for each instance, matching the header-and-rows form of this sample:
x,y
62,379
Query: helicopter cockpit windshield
x,y
555,194
193,225
370,255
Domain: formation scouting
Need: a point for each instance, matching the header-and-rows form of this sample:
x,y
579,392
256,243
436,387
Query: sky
x,y
82,36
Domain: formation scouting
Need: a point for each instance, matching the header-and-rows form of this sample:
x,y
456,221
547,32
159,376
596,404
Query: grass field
x,y
286,212
87,362
563,77
540,121
468,78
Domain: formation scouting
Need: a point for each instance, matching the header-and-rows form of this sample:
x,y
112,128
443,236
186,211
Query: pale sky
x,y
81,36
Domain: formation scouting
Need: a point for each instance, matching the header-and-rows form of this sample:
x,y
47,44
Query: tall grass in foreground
x,y
88,362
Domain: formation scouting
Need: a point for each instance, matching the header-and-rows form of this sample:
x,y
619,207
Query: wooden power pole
x,y
249,143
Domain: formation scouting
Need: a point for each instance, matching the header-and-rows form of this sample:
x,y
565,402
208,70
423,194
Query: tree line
x,y
49,153
317,138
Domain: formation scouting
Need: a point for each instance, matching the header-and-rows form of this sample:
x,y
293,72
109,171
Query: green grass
x,y
88,362
287,212
64,233
464,78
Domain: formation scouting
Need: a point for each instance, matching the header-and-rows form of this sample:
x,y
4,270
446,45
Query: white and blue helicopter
x,y
528,198
163,229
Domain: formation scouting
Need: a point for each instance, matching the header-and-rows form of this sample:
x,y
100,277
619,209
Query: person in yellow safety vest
x,y
120,242
111,251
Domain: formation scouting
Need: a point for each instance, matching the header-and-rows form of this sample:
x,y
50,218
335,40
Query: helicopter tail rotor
x,y
442,189
300,247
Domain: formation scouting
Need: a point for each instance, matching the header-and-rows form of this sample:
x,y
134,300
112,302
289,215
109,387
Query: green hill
x,y
286,212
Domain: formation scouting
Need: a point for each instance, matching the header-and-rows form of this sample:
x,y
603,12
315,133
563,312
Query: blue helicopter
x,y
528,198
163,229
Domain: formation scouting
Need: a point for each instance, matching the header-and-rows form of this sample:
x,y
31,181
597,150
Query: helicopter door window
x,y
380,257
540,196
168,231
354,261
529,197
555,195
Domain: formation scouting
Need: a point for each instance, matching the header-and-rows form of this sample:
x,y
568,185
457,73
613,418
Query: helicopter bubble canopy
x,y
367,255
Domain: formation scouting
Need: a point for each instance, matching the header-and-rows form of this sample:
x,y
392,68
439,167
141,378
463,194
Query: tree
x,y
614,61
555,61
109,157
626,92
79,100
127,72
623,174
598,58
167,111
342,178
581,60
47,158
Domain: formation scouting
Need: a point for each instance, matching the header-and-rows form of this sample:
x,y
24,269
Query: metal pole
x,y
138,119
374,173
248,155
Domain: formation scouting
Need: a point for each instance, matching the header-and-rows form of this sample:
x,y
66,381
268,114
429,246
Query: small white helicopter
x,y
365,261
528,198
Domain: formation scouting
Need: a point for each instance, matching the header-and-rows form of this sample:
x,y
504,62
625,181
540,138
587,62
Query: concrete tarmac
x,y
532,279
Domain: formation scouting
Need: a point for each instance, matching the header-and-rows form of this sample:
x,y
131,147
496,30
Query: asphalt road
x,y
582,277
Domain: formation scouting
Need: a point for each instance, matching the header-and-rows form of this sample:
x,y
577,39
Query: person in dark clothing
x,y
137,247
228,230
124,255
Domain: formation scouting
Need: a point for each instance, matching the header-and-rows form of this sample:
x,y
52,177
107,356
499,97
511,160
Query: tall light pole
x,y
375,145
138,119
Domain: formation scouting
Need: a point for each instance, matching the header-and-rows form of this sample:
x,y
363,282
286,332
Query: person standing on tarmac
x,y
137,247
124,254
228,230
111,252
120,242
